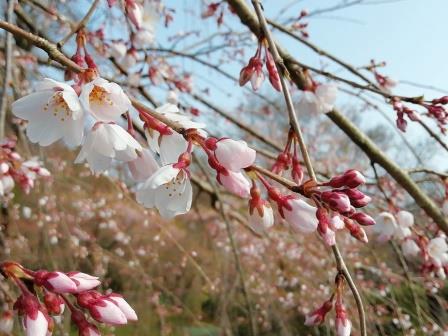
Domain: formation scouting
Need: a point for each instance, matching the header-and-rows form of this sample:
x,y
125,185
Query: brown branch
x,y
340,264
8,71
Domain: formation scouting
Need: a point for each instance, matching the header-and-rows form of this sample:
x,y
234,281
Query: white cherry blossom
x,y
320,101
105,143
385,227
53,112
169,190
105,100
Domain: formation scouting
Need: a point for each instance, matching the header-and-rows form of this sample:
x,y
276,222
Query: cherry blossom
x,y
234,182
53,112
143,166
300,215
104,100
410,248
386,226
319,101
438,251
168,189
105,143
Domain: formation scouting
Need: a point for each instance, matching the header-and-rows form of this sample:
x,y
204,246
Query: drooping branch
x,y
340,264
248,18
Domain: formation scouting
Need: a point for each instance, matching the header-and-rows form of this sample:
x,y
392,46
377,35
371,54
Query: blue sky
x,y
410,35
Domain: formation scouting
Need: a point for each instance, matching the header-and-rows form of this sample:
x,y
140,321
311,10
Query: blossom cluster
x,y
44,295
15,170
399,226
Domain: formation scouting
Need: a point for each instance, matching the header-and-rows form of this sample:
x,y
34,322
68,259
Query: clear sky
x,y
410,35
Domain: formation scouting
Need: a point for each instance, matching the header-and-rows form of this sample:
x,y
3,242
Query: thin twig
x,y
8,71
83,22
340,264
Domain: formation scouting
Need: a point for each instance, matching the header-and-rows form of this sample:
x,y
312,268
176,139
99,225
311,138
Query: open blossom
x,y
405,221
320,101
53,112
117,50
389,226
83,281
385,227
410,248
438,251
143,166
231,154
300,215
105,100
168,189
173,113
106,142
145,35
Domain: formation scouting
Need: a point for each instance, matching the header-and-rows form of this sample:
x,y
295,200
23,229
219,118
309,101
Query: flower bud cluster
x,y
36,311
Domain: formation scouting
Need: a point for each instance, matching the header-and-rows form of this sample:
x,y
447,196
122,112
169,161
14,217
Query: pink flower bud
x,y
210,10
85,328
401,123
300,215
261,217
102,308
363,219
234,182
56,282
357,198
35,320
336,223
355,230
124,306
297,171
317,317
134,11
338,201
343,324
234,155
325,232
83,282
274,77
54,303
